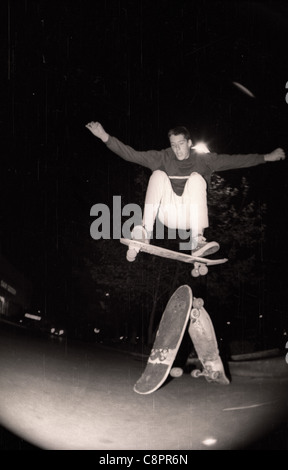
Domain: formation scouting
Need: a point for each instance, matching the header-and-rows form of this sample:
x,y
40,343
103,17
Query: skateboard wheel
x,y
131,255
215,375
195,272
195,313
198,303
203,270
176,372
195,373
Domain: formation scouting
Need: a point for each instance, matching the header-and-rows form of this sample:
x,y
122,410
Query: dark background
x,y
138,67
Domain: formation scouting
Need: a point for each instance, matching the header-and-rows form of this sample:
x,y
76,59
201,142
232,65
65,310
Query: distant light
x,y
210,441
244,89
52,330
107,294
260,316
96,330
228,322
201,148
61,332
33,317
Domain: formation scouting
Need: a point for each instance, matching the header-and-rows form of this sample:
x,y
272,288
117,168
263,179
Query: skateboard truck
x,y
132,252
199,269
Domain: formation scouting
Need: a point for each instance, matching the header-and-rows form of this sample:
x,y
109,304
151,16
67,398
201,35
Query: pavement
x,y
57,394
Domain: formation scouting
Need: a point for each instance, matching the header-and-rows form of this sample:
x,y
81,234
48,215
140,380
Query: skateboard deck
x,y
202,334
200,264
168,339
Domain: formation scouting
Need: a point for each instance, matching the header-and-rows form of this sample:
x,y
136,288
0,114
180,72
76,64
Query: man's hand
x,y
274,156
97,129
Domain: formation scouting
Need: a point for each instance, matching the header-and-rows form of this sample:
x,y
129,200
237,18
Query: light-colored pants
x,y
186,212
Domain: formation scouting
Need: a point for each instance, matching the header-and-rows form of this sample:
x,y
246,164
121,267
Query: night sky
x,y
139,67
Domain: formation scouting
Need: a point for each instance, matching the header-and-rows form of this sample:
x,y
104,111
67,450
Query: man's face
x,y
180,146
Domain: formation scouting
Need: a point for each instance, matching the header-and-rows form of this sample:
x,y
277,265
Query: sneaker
x,y
140,234
204,248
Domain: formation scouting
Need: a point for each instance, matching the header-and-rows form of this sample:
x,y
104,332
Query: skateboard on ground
x,y
200,264
168,339
203,336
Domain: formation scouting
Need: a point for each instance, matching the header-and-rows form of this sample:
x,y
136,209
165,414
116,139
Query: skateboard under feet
x,y
200,265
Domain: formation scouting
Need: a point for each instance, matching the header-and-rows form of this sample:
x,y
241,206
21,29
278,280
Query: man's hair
x,y
179,130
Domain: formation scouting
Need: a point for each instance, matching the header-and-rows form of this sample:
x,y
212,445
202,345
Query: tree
x,y
238,223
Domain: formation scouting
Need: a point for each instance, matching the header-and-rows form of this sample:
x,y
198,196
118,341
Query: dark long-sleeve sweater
x,y
179,170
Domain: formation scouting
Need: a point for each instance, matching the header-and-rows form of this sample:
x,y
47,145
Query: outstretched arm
x,y
152,159
97,129
221,162
277,154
